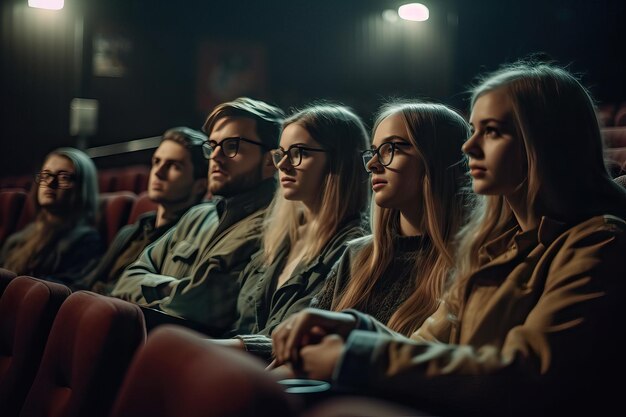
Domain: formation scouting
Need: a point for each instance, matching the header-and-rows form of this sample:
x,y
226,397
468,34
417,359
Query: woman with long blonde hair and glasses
x,y
418,176
319,208
533,322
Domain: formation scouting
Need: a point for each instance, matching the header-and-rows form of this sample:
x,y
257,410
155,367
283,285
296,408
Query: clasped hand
x,y
311,341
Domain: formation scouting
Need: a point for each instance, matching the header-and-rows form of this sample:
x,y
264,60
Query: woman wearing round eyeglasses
x,y
61,242
397,275
319,208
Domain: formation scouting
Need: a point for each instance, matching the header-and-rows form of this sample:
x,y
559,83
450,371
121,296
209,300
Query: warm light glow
x,y
416,12
390,16
47,4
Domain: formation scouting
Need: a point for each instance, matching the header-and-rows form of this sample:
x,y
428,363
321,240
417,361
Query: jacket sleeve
x,y
553,347
144,270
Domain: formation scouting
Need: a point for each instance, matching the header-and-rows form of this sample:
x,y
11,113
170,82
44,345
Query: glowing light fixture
x,y
47,4
390,16
416,12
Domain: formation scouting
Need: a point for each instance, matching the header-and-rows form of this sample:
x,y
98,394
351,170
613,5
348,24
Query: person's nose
x,y
161,172
471,147
284,164
374,165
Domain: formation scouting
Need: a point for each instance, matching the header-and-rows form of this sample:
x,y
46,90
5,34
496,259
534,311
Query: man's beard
x,y
242,183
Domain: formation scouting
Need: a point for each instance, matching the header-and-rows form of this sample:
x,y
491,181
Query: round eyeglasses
x,y
385,153
230,146
63,179
294,154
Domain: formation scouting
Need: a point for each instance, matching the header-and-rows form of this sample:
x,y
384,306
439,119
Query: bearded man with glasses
x,y
192,271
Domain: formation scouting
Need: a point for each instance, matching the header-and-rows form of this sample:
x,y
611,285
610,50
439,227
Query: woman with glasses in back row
x,y
318,209
419,179
61,242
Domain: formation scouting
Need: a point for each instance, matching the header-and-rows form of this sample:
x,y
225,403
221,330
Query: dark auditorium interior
x,y
110,76
294,50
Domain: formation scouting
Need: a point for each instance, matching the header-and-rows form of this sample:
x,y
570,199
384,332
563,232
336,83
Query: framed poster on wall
x,y
230,69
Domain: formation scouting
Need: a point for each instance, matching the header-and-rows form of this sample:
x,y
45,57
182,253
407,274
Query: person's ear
x,y
268,167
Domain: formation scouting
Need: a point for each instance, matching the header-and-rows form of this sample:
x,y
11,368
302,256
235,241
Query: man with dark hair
x,y
193,270
177,181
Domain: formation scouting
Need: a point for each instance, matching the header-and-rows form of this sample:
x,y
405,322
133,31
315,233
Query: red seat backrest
x,y
193,378
11,203
134,178
114,210
107,179
27,310
143,204
90,346
620,115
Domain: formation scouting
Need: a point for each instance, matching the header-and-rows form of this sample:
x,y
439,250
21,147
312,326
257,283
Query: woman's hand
x,y
305,328
319,361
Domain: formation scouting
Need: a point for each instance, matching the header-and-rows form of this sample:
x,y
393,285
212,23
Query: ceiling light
x,y
416,12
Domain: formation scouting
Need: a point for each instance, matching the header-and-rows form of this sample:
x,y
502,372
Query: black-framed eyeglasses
x,y
385,153
293,153
230,146
64,179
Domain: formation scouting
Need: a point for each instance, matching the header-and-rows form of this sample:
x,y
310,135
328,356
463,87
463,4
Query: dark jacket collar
x,y
235,208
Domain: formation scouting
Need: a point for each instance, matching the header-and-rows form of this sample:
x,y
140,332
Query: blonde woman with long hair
x,y
323,196
533,324
397,275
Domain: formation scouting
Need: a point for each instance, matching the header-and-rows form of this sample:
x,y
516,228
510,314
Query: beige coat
x,y
541,330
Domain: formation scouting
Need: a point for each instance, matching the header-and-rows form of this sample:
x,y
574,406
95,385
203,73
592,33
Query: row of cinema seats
x,y
612,118
132,178
611,114
116,210
81,354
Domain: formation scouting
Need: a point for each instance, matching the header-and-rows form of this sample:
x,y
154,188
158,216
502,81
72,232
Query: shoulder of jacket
x,y
606,222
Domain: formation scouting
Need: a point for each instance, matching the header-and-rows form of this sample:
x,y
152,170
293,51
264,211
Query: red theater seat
x,y
107,180
91,343
614,137
606,114
11,203
177,374
27,310
143,204
27,215
114,210
6,276
620,115
22,182
134,178
362,407
616,160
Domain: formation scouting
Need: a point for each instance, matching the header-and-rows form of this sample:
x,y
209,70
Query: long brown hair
x,y
437,133
567,179
344,191
45,230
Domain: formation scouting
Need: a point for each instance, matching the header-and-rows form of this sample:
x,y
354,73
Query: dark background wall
x,y
339,50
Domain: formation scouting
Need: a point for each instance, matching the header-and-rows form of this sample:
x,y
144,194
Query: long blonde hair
x,y
567,179
344,191
45,231
437,133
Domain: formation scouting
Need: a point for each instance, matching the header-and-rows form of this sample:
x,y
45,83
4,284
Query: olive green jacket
x,y
540,330
200,259
261,307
